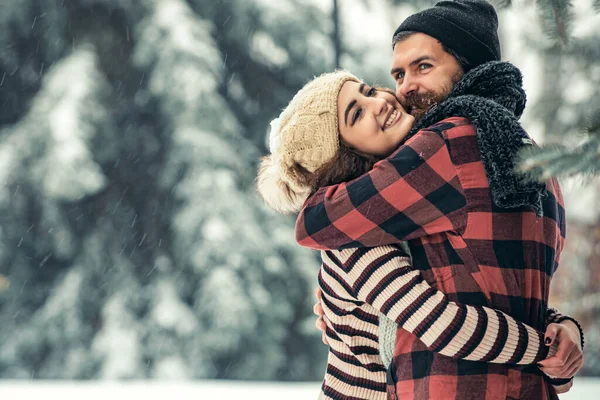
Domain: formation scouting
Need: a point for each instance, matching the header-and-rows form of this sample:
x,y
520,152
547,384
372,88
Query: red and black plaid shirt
x,y
433,192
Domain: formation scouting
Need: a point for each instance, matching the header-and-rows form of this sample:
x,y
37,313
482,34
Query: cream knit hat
x,y
305,135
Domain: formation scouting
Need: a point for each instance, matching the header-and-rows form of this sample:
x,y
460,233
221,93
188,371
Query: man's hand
x,y
318,310
569,355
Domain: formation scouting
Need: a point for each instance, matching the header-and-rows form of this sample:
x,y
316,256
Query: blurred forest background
x,y
132,242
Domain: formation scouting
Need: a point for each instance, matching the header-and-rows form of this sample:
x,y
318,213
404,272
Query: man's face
x,y
424,73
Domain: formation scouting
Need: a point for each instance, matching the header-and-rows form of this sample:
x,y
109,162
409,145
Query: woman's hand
x,y
569,355
318,310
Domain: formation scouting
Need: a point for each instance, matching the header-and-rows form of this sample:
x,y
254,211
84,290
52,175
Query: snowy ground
x,y
584,388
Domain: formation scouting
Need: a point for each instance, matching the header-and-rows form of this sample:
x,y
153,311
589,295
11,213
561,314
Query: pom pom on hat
x,y
277,192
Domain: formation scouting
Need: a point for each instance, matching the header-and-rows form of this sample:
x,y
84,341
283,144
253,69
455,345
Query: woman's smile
x,y
392,118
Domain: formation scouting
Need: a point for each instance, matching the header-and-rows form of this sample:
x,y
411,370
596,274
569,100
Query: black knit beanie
x,y
469,27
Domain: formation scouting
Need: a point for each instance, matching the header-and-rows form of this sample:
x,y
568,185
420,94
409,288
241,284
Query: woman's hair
x,y
347,164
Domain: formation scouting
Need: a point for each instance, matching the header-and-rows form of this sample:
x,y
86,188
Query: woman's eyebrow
x,y
352,103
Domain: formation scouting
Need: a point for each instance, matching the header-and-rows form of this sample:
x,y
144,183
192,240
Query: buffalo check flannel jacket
x,y
433,192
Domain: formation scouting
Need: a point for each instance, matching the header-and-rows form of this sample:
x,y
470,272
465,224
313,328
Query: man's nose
x,y
407,88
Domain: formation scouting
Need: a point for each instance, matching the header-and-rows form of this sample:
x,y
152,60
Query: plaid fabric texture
x,y
433,192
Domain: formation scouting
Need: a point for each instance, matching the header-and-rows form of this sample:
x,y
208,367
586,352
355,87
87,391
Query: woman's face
x,y
371,121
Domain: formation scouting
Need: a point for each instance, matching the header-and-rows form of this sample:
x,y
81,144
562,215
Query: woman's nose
x,y
379,105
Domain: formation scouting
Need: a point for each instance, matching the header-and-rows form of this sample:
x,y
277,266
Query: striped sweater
x,y
360,284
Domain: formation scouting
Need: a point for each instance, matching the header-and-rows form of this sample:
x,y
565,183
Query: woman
x,y
335,129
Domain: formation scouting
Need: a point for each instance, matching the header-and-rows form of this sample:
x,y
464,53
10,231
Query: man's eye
x,y
425,66
400,75
371,92
356,115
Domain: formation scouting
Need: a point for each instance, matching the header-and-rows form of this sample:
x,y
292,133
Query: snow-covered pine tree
x,y
235,265
133,244
47,164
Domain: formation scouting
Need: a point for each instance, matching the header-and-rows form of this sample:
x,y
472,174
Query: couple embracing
x,y
437,255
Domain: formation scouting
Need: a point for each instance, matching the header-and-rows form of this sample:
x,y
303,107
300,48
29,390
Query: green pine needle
x,y
501,4
541,163
556,17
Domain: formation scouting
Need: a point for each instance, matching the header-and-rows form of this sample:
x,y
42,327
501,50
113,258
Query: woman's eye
x,y
356,115
371,92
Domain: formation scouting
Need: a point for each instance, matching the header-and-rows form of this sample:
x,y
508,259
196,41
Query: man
x,y
477,230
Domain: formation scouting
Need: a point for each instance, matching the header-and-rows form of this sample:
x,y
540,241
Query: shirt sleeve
x,y
382,277
413,193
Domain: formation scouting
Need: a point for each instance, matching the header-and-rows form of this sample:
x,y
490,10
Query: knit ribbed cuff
x,y
563,318
557,381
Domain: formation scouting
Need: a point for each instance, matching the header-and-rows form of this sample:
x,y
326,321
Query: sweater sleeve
x,y
354,368
382,277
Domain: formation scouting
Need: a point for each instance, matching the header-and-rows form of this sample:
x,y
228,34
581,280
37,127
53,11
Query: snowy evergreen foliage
x,y
561,160
133,244
570,108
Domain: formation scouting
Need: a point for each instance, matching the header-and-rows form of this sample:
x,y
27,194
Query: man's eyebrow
x,y
396,70
422,58
413,63
351,104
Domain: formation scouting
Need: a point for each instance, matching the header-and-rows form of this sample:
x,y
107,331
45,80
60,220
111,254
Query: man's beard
x,y
419,105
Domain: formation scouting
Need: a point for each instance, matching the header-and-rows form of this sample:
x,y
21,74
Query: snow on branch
x,y
54,138
73,85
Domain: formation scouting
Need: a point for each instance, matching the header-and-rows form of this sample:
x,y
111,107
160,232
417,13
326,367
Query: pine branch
x,y
501,4
541,163
556,17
